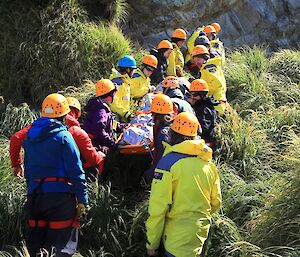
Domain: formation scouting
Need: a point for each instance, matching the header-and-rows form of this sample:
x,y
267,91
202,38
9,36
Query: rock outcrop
x,y
271,22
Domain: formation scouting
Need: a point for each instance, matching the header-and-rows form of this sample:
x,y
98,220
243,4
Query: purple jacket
x,y
99,123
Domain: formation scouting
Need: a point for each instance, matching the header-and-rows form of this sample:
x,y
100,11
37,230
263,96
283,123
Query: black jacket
x,y
207,117
161,72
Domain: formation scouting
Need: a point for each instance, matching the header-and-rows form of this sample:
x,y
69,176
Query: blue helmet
x,y
127,62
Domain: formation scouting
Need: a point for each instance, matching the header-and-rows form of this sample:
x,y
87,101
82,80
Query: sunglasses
x,y
150,68
201,93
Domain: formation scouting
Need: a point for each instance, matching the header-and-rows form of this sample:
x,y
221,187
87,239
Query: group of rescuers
x,y
59,155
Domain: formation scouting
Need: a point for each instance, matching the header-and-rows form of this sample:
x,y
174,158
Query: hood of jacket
x,y
191,147
116,74
71,121
174,93
43,128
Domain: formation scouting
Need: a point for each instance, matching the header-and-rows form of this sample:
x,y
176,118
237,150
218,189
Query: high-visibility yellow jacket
x,y
218,46
185,192
121,103
212,73
190,43
175,58
139,85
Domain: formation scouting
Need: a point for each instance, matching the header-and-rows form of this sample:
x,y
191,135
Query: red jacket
x,y
90,155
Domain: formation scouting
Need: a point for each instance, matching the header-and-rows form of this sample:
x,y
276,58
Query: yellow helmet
x,y
150,60
54,106
198,85
73,102
165,44
179,33
162,104
185,124
104,86
170,81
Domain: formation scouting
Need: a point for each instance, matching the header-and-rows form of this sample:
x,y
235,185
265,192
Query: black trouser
x,y
50,207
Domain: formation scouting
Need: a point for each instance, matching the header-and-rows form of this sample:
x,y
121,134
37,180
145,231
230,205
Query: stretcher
x,y
145,148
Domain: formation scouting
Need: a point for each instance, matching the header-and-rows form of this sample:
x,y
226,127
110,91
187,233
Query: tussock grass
x,y
286,63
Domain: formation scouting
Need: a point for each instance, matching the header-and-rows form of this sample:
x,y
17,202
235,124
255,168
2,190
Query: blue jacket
x,y
50,151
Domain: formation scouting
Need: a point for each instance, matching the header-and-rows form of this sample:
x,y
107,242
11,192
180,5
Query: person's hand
x,y
18,171
152,252
81,210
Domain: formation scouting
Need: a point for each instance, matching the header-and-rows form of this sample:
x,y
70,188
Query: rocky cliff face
x,y
272,22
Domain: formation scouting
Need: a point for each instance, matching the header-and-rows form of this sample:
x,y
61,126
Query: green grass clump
x,y
286,63
16,118
246,82
244,147
279,224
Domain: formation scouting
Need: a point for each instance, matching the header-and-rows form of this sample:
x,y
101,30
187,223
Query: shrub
x,y
286,63
64,50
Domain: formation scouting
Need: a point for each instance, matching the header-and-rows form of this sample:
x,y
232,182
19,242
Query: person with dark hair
x,y
176,57
162,111
140,82
122,78
204,107
55,179
162,53
212,73
185,192
99,119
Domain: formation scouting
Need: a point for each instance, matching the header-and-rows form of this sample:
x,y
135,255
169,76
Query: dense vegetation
x,y
56,44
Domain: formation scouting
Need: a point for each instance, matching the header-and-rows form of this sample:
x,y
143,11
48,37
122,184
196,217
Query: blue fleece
x,y
50,151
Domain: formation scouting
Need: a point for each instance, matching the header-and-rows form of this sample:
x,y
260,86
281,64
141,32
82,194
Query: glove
x,y
152,252
18,171
152,89
81,210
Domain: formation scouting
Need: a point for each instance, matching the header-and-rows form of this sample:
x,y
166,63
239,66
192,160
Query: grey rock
x,y
272,22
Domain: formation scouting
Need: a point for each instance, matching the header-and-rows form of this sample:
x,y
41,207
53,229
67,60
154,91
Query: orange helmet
x,y
209,29
198,85
170,81
165,44
216,26
150,60
73,102
104,86
179,33
54,106
199,49
185,124
162,104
